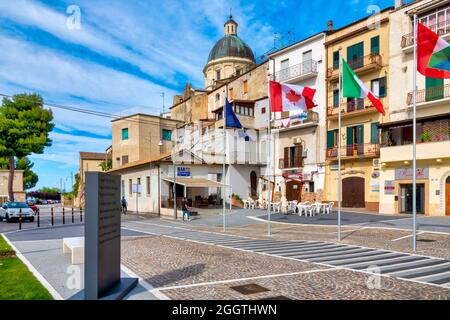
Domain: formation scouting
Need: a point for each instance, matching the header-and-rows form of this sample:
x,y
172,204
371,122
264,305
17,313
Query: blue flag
x,y
231,120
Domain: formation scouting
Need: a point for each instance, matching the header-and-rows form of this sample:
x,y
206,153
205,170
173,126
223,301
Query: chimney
x,y
399,3
330,25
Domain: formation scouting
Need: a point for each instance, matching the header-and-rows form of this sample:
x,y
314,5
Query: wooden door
x,y
293,190
353,193
253,184
447,197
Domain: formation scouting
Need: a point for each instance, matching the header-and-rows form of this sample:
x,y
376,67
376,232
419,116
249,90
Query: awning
x,y
196,183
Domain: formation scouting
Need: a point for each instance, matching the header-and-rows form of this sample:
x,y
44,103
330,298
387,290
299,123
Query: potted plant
x,y
425,137
236,201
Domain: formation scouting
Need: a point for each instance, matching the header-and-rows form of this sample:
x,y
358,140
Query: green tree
x,y
76,185
106,165
49,190
24,129
30,178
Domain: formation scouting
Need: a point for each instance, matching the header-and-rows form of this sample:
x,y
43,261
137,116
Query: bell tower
x,y
231,27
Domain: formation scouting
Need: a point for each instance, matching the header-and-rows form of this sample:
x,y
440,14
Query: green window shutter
x,y
167,135
374,133
355,55
125,134
349,136
434,89
359,134
375,45
383,87
336,59
336,98
330,139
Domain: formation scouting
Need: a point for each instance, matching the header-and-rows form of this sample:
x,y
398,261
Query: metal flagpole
x,y
339,146
414,169
224,157
269,158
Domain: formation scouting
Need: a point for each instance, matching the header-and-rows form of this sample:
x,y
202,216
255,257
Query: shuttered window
x,y
374,133
331,139
167,134
375,45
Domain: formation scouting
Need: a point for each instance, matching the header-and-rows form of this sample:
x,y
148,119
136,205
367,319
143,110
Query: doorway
x,y
253,184
447,197
406,198
353,193
294,190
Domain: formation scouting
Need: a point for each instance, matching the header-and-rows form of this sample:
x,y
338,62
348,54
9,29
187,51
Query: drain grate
x,y
426,240
250,288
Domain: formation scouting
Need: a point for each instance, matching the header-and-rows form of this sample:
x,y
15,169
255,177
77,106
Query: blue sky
x,y
128,52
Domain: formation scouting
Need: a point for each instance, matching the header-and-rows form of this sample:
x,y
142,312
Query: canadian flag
x,y
290,97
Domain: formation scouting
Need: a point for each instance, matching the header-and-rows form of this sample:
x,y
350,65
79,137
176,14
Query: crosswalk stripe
x,y
402,267
297,246
383,261
255,245
419,272
296,249
348,257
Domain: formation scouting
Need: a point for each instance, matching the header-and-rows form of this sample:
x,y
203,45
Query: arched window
x,y
217,97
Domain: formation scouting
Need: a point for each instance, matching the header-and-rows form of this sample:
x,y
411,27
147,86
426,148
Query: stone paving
x,y
166,263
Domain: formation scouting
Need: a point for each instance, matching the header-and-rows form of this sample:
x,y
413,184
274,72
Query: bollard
x,y
72,216
38,218
64,216
81,214
53,221
20,219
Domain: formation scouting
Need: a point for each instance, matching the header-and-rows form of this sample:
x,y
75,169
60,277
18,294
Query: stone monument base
x,y
118,292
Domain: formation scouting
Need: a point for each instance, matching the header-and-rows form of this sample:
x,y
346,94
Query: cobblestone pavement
x,y
186,270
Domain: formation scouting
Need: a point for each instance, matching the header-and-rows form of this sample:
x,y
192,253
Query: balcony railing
x,y
371,60
351,106
312,117
298,70
442,28
430,94
295,162
355,150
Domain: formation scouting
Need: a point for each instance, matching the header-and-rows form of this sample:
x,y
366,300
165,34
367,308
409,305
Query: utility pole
x,y
164,102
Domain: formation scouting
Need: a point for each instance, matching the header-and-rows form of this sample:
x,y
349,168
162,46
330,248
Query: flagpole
x,y
414,169
224,157
339,146
269,158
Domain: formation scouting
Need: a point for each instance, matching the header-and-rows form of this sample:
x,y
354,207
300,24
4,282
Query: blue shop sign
x,y
183,172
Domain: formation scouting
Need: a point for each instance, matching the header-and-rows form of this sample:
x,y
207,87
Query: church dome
x,y
231,46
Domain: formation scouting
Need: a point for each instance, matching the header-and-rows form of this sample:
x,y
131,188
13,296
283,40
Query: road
x,y
45,218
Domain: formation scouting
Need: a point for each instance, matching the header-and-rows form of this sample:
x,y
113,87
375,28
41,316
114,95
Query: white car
x,y
13,210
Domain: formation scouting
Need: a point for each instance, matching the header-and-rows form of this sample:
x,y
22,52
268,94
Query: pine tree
x,y
24,129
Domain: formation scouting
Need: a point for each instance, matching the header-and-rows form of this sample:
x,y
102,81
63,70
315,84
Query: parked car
x,y
34,208
50,201
31,200
13,210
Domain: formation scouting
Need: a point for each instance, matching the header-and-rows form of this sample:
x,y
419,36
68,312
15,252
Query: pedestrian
x,y
124,205
185,209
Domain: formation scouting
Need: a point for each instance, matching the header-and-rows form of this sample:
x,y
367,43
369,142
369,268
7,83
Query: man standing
x,y
185,209
124,205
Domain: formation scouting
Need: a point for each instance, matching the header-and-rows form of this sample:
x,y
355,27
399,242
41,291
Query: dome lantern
x,y
231,26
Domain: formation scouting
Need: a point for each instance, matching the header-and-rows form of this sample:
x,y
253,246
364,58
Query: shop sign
x,y
407,173
389,187
375,186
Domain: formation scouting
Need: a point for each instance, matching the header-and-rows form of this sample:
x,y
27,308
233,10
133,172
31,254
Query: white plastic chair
x,y
329,208
252,205
311,209
301,207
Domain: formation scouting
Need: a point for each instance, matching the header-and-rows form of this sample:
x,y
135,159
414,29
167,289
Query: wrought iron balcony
x,y
292,163
369,62
430,94
442,29
355,150
305,68
352,107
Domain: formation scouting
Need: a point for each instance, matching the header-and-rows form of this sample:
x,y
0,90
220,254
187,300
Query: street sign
x,y
183,172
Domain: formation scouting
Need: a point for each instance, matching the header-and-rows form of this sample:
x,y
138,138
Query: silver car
x,y
14,210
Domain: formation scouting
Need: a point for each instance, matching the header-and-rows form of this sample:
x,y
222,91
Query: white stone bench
x,y
75,246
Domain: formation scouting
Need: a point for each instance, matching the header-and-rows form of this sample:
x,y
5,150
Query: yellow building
x,y
139,137
364,44
89,161
19,194
433,120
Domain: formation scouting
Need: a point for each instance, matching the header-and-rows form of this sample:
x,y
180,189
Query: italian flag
x,y
433,54
285,97
353,87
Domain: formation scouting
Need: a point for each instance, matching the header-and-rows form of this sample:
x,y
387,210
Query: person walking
x,y
124,205
185,209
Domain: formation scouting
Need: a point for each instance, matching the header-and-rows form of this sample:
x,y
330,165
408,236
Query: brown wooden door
x,y
447,197
353,193
293,190
253,183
